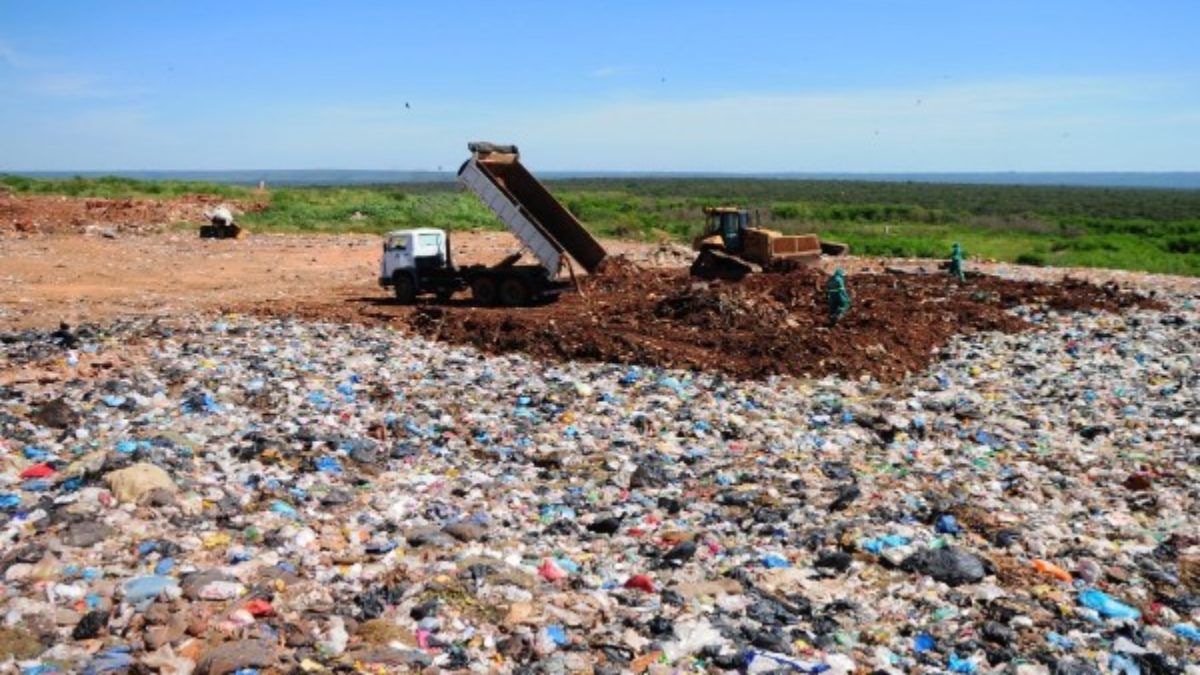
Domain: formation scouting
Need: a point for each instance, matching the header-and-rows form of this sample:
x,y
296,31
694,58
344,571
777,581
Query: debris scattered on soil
x,y
347,497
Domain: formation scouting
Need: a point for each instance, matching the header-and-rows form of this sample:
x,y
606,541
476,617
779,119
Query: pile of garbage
x,y
237,495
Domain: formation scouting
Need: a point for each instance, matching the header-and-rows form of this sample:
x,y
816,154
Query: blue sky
x,y
853,85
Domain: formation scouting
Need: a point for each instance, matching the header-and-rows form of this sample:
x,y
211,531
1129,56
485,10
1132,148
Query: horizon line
x,y
633,171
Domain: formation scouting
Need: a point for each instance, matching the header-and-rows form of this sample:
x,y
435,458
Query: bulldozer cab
x,y
730,223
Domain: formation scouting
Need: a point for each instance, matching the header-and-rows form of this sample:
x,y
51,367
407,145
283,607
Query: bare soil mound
x,y
767,324
44,214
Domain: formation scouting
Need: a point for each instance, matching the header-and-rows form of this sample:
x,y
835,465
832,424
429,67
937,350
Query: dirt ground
x,y
52,214
76,278
92,261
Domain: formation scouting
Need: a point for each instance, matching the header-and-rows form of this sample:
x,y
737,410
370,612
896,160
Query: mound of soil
x,y
44,214
767,324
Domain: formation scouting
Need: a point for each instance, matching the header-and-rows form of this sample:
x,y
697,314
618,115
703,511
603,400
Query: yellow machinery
x,y
731,247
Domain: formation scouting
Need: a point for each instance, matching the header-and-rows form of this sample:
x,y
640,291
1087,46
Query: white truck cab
x,y
406,250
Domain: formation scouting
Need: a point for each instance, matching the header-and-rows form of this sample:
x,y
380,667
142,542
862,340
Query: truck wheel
x,y
406,290
514,292
483,289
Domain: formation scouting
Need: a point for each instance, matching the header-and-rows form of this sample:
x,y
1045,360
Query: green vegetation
x,y
115,187
370,210
1144,229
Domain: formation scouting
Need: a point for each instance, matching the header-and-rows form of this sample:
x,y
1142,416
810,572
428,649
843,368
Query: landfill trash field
x,y
1007,483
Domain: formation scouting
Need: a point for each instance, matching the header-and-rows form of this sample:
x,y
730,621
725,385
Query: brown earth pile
x,y
767,324
46,214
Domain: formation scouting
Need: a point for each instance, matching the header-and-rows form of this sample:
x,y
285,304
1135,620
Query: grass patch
x,y
376,210
115,187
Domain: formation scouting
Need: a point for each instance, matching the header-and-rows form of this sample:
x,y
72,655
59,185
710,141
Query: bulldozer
x,y
731,247
221,225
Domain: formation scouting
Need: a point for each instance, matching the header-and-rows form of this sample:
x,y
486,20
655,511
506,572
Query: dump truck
x,y
420,262
732,247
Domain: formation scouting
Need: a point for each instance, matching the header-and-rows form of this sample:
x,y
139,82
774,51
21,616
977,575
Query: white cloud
x,y
72,86
1068,124
11,56
110,122
608,71
1035,125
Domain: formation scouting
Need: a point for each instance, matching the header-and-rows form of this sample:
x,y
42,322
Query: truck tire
x,y
483,290
405,288
514,292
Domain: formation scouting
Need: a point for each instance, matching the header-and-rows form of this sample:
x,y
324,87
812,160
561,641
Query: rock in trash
x,y
465,530
999,633
87,533
389,657
650,473
237,655
133,483
57,414
1138,482
197,585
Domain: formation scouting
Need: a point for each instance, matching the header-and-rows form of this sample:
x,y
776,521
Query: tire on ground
x,y
405,288
484,291
515,292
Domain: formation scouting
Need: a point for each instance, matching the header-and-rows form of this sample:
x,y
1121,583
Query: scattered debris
x,y
235,494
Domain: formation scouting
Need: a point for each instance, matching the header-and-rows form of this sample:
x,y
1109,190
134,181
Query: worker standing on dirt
x,y
839,297
956,263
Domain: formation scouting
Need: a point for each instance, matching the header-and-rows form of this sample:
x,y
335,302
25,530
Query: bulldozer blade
x,y
714,264
834,248
222,232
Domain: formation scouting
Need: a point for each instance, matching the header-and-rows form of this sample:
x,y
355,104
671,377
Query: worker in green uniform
x,y
956,263
839,297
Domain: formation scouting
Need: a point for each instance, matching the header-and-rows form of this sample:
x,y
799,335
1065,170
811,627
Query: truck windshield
x,y
397,243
